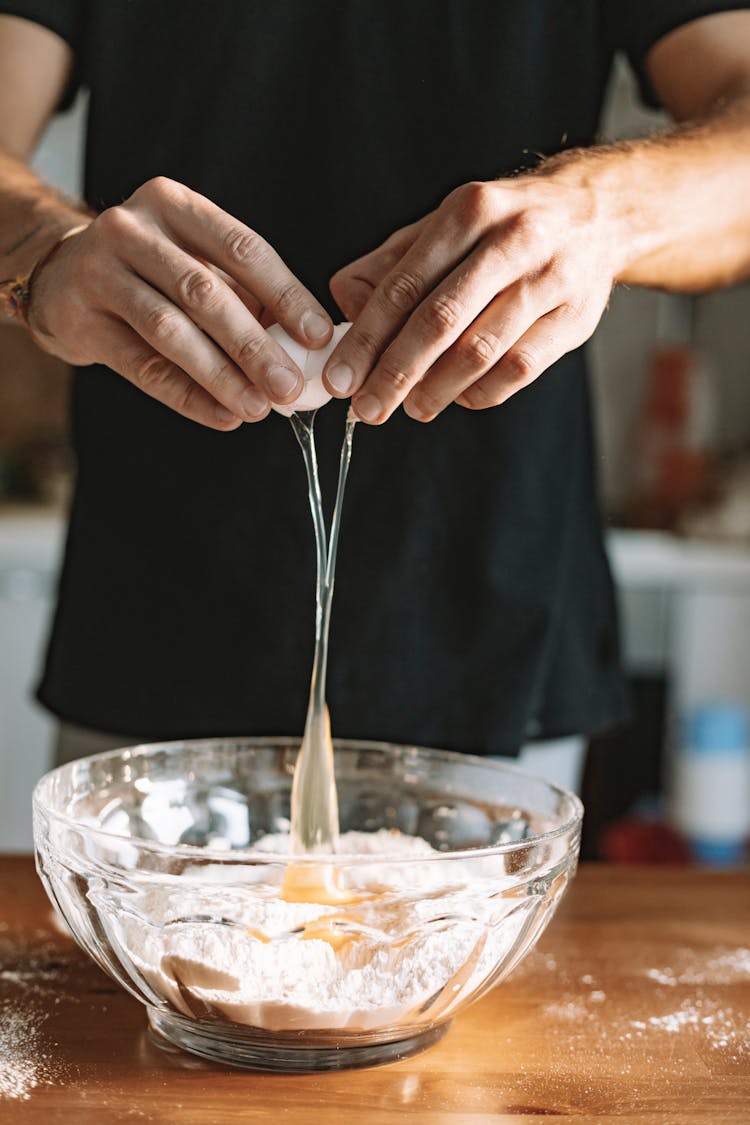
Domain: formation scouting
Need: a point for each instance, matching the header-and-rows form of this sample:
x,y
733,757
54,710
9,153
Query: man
x,y
241,157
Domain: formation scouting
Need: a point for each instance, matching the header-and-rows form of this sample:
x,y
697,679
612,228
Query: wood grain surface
x,y
634,1007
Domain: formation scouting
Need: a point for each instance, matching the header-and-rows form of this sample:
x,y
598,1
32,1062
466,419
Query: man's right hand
x,y
166,289
170,291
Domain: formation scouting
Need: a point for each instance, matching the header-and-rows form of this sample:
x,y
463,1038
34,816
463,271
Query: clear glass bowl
x,y
156,858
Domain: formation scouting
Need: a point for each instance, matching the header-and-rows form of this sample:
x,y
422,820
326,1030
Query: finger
x,y
545,342
214,306
440,245
249,300
175,337
351,295
438,322
206,230
481,346
353,285
126,353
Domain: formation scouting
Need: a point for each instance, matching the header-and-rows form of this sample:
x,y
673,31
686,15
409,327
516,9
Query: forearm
x,y
33,216
677,204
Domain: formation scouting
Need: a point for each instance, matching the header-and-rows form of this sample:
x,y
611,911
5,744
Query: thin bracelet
x,y
15,293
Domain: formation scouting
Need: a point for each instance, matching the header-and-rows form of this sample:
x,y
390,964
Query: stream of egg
x,y
314,806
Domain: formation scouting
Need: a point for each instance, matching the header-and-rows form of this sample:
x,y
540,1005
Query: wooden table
x,y
635,1006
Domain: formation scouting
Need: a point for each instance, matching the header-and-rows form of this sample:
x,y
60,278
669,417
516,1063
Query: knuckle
x,y
363,341
183,397
530,225
248,350
161,189
163,323
480,398
471,201
563,275
403,291
199,289
287,300
116,224
218,378
395,378
244,246
441,313
521,365
478,349
151,372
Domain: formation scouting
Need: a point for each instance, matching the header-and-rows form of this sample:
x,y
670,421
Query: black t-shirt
x,y
474,607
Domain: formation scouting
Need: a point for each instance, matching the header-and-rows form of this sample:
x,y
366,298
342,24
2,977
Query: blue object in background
x,y
711,792
716,728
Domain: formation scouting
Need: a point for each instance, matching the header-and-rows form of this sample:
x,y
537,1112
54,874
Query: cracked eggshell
x,y
311,363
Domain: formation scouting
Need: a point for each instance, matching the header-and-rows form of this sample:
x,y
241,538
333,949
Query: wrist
x,y
611,178
20,265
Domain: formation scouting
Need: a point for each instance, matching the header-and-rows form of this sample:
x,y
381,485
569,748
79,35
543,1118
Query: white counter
x,y
30,546
656,559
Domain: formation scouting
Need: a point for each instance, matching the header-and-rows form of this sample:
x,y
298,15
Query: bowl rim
x,y
246,855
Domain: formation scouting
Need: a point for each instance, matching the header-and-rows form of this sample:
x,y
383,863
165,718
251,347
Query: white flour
x,y
21,1068
249,959
725,967
27,1058
27,1053
689,1001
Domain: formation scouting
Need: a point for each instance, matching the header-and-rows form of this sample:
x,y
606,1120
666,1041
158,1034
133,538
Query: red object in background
x,y
643,841
674,435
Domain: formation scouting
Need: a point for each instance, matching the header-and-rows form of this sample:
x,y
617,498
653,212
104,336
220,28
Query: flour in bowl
x,y
237,951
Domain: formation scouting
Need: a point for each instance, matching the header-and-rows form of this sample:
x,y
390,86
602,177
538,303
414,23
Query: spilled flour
x,y
727,967
30,985
711,1018
22,1065
258,960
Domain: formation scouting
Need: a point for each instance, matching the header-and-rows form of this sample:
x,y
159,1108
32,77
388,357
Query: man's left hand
x,y
477,299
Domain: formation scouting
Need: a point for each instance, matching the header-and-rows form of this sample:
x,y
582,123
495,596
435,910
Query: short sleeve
x,y
634,26
65,18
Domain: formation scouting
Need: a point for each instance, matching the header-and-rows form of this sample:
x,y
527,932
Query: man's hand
x,y
170,291
166,289
474,301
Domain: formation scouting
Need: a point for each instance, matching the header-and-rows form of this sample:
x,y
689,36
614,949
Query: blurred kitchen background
x,y
672,386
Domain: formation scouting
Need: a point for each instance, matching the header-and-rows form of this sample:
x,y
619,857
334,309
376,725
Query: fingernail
x,y
315,326
413,411
368,408
253,402
340,378
281,382
224,415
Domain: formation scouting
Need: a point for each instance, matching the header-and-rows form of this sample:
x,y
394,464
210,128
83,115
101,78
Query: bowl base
x,y
256,1051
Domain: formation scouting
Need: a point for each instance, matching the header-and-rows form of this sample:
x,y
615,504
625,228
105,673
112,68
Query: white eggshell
x,y
296,352
311,363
